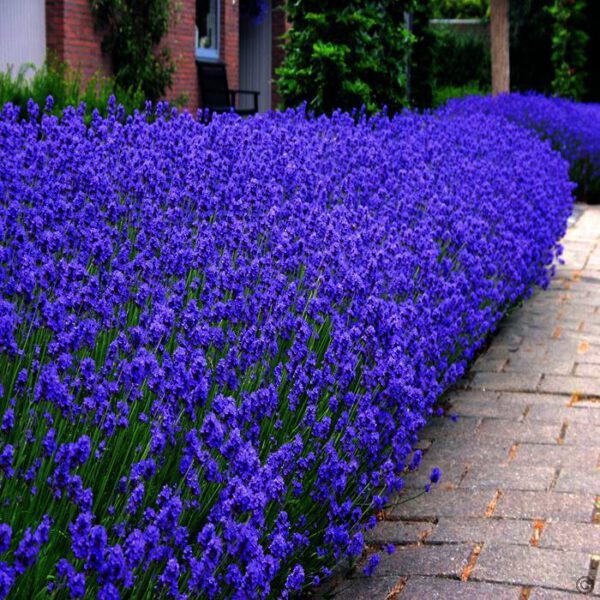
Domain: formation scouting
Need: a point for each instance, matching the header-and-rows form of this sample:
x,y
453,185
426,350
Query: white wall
x,y
22,33
255,60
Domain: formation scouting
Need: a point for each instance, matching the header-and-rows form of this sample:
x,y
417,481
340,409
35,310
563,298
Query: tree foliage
x,y
530,46
345,55
421,55
460,9
133,31
569,40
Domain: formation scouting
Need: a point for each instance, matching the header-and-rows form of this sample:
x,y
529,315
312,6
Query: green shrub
x,y
530,46
442,94
422,57
133,31
345,57
569,40
66,88
459,9
460,58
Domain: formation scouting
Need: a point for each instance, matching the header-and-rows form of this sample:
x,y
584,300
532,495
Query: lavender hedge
x,y
572,127
219,341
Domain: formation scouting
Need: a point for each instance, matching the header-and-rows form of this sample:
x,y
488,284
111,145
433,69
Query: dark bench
x,y
215,91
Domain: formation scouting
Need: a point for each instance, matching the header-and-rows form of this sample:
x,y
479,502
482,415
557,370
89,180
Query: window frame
x,y
211,54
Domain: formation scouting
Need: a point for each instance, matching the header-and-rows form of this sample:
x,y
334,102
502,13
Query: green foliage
x,y
461,64
421,55
345,55
530,46
460,9
133,30
442,94
592,83
65,87
569,41
460,58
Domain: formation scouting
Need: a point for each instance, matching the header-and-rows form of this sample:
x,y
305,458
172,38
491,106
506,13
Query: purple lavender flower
x,y
295,579
371,565
7,579
29,547
435,475
220,340
5,537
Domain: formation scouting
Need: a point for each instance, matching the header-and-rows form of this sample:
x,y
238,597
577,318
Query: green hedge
x,y
66,87
460,58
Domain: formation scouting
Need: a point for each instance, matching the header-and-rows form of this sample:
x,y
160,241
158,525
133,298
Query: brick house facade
x,y
71,36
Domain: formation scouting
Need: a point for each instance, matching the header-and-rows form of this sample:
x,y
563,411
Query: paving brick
x,y
592,353
506,337
472,396
547,594
473,408
584,537
532,349
577,301
506,381
575,260
560,348
547,366
531,566
592,402
481,530
554,506
398,532
558,456
573,336
532,315
437,588
514,353
452,473
570,384
567,320
448,560
484,363
535,398
509,477
579,481
589,326
444,503
584,369
550,414
444,427
491,430
423,444
586,227
582,434
366,588
468,451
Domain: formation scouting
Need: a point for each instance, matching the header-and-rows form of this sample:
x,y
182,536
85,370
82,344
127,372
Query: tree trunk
x,y
500,56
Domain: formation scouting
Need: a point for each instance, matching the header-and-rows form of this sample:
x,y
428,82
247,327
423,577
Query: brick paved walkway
x,y
517,514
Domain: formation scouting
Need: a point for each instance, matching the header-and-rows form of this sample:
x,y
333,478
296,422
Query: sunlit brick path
x,y
517,513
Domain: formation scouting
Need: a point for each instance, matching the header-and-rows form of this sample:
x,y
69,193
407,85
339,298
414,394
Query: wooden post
x,y
500,52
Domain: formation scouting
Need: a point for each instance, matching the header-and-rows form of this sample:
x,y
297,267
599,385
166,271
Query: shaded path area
x,y
517,513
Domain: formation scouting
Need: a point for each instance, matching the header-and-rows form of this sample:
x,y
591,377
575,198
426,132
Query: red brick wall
x,y
72,38
181,40
229,52
82,41
55,28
